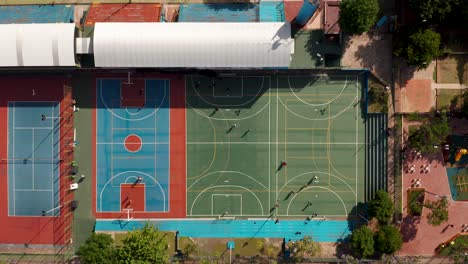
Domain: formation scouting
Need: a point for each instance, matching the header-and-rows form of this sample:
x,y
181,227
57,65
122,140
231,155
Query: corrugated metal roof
x,y
23,14
193,45
37,45
123,13
229,12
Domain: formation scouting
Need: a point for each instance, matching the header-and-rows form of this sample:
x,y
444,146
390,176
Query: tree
x,y
358,16
381,207
430,134
146,245
418,47
439,212
306,246
388,240
435,10
362,242
99,248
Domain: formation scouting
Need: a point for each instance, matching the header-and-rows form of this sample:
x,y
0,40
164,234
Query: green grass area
x,y
416,117
453,69
449,99
238,134
378,98
456,250
415,202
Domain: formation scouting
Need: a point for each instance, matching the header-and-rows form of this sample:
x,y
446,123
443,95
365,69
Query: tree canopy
x,y
146,245
435,10
381,207
388,240
362,242
439,212
418,47
358,16
98,248
430,134
304,247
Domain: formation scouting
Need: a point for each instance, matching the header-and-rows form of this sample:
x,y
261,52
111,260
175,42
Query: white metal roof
x,y
201,45
37,45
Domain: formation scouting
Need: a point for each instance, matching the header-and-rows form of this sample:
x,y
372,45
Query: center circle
x,y
133,143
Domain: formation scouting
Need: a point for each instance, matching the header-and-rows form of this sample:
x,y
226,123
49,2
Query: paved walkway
x,y
421,238
453,86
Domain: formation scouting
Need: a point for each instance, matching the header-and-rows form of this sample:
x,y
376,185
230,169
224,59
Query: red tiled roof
x,y
123,13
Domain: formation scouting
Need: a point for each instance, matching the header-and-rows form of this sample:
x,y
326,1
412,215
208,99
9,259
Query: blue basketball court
x,y
132,144
33,158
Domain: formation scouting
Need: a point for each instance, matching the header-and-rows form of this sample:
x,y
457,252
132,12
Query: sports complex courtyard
x,y
265,155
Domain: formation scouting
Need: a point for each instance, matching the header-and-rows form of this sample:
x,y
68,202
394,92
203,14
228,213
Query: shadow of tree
x,y
409,227
375,54
462,68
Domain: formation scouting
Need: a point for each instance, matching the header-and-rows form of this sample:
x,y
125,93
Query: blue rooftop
x,y
319,230
36,14
219,13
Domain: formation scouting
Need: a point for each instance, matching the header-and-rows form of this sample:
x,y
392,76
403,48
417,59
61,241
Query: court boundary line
x,y
279,100
11,107
229,105
100,97
229,96
224,186
105,185
226,171
144,197
226,195
320,187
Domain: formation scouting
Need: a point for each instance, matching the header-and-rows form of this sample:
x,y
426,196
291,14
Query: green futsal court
x,y
240,128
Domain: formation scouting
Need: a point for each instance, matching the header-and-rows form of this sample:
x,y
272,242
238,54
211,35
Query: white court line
x,y
33,128
32,153
167,87
33,190
277,113
269,146
275,142
123,143
224,186
225,195
356,150
320,187
14,167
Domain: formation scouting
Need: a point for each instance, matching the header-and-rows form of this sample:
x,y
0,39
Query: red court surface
x,y
177,170
133,94
133,196
37,229
123,13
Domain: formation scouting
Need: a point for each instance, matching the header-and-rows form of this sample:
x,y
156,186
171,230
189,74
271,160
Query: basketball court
x,y
133,147
240,129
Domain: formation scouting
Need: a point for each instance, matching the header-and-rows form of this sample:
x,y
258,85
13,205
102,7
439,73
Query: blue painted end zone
x,y
117,165
33,158
319,230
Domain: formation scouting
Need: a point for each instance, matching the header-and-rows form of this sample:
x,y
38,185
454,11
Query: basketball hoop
x,y
129,80
128,210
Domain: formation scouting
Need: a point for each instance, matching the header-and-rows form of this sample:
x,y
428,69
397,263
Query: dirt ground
x,y
369,50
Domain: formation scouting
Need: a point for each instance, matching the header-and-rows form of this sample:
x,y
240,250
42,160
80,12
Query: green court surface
x,y
242,127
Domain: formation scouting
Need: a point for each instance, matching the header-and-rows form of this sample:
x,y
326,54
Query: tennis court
x,y
132,147
241,128
33,158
